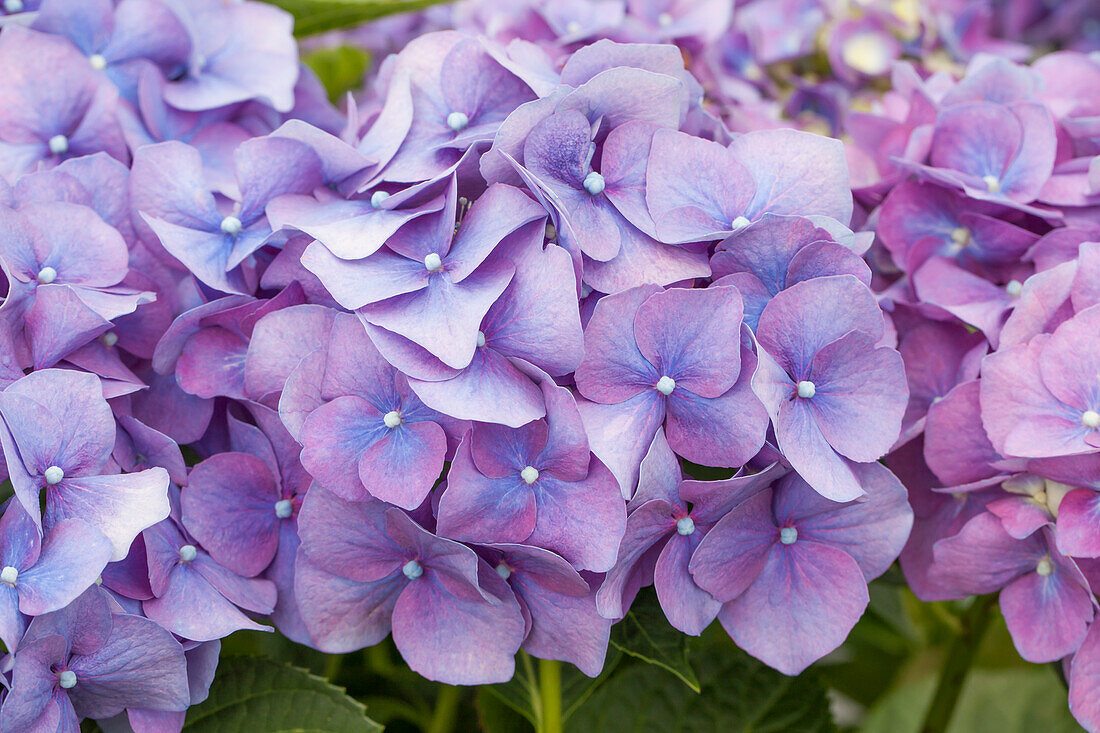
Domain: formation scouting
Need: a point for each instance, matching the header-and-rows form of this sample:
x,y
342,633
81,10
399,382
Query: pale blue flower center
x,y
1044,567
665,385
739,223
457,121
504,571
685,526
9,575
788,535
231,225
98,62
283,509
377,198
806,389
1090,419
47,275
664,20
992,183
188,553
594,183
13,6
392,419
1014,288
54,474
109,339
67,679
433,262
529,474
480,339
412,570
59,144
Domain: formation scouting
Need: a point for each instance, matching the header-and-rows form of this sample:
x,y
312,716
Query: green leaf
x,y
251,693
340,69
1016,700
737,694
317,16
645,633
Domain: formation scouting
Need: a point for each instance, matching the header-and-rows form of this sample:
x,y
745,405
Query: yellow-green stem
x,y
550,694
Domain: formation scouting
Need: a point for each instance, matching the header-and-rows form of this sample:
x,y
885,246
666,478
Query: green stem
x,y
550,694
446,705
332,666
972,626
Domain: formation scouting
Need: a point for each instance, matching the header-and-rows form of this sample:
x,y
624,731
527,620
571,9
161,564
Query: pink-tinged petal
x,y
476,508
801,606
872,530
1084,680
565,453
1020,414
659,475
801,320
272,166
956,447
444,317
646,526
972,299
403,465
688,607
1078,533
170,410
58,322
348,539
1044,303
796,172
623,94
1069,365
454,640
1048,616
1020,516
350,230
693,336
213,364
229,507
250,594
490,389
983,557
582,521
279,341
735,550
620,434
356,283
641,260
498,212
725,431
861,395
695,188
119,506
334,437
140,664
613,368
344,615
191,608
73,555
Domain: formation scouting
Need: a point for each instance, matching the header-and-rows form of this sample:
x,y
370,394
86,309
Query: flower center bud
x,y
98,62
664,20
1044,567
594,183
788,535
377,198
739,223
188,553
480,339
992,183
504,571
53,475
109,339
806,389
960,236
551,232
457,121
59,144
1090,419
47,275
433,262
13,6
572,27
9,575
1013,288
665,385
685,526
231,225
392,419
529,474
283,509
67,679
412,570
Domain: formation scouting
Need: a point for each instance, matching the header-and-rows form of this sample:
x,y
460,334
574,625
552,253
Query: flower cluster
x,y
452,366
